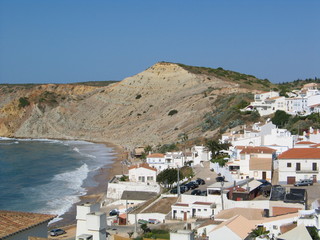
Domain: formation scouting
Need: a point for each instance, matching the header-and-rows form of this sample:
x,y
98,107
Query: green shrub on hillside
x,y
172,112
23,102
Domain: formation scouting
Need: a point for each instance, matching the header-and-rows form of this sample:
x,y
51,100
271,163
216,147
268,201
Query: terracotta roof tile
x,y
301,153
260,164
181,204
156,155
203,203
12,222
142,165
250,149
305,142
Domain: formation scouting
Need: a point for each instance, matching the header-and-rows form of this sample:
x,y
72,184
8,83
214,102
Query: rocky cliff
x,y
152,107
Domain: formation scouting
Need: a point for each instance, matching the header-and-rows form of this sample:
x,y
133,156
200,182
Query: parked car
x,y
204,193
185,187
175,190
220,179
57,232
200,181
196,192
304,182
154,221
141,221
191,185
194,182
114,212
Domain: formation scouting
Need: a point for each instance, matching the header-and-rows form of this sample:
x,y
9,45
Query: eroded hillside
x,y
152,107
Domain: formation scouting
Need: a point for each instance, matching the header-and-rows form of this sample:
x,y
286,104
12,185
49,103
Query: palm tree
x,y
259,231
215,147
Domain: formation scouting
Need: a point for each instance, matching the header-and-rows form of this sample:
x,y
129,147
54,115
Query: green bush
x,y
23,102
172,112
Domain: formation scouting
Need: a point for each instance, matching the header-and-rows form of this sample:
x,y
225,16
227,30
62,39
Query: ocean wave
x,y
73,179
83,154
9,143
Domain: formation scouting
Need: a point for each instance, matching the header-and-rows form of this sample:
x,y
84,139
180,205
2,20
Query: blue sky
x,y
64,41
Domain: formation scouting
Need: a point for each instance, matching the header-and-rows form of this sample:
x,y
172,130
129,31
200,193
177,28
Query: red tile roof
x,y
301,153
12,222
250,149
181,204
305,142
156,155
142,165
203,203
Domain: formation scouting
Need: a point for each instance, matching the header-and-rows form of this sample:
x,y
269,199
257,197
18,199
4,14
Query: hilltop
x,y
151,107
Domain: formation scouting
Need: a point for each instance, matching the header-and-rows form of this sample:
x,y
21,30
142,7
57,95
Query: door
x,y
314,178
185,216
264,175
291,180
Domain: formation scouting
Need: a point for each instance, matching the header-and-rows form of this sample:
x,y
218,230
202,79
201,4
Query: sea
x,y
48,176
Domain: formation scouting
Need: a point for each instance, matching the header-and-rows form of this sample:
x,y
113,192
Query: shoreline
x,y
97,193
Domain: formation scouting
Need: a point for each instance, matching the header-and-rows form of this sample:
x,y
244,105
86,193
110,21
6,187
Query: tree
x,y
215,147
168,176
259,231
313,233
148,149
280,118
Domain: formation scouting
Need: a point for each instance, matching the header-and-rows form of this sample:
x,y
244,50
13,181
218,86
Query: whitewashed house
x,y
157,161
263,104
236,228
299,163
200,154
253,162
197,209
297,105
142,173
313,135
309,218
174,159
90,222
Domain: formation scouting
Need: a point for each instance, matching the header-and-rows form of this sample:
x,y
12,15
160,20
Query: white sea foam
x,y
62,192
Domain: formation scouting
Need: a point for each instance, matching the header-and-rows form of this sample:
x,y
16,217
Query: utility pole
x,y
178,186
222,183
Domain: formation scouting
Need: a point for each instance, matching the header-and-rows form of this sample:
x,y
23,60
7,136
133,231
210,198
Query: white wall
x,y
182,235
135,173
305,173
115,190
146,216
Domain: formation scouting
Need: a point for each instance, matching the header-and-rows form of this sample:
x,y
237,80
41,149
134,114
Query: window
x,y
275,227
289,164
205,210
298,166
199,210
314,166
150,178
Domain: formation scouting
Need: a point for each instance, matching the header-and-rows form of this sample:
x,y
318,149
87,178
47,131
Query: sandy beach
x,y
96,194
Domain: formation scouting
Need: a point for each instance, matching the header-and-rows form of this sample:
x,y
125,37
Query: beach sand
x,y
96,194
